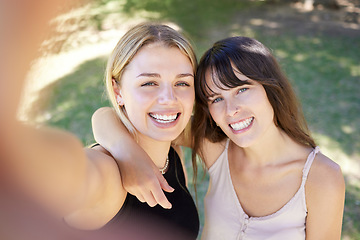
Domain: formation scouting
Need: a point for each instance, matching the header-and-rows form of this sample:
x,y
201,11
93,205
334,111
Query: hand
x,y
142,178
139,174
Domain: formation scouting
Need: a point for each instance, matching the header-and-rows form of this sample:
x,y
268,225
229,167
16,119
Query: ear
x,y
117,92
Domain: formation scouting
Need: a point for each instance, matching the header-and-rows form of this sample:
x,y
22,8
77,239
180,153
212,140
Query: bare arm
x,y
139,174
53,169
40,159
325,191
31,156
103,195
48,165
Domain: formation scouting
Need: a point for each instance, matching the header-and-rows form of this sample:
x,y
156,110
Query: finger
x,y
140,197
158,194
161,199
149,199
164,184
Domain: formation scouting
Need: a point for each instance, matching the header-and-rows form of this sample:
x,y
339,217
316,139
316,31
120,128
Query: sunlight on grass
x,y
332,149
347,129
65,86
299,57
78,45
355,70
49,69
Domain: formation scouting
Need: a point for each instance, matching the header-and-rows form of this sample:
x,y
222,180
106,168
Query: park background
x,y
317,42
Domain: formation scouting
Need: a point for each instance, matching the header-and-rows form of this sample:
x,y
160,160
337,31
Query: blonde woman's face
x,y
157,90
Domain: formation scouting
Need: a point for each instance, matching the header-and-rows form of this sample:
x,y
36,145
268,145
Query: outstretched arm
x,y
27,155
46,165
139,174
51,167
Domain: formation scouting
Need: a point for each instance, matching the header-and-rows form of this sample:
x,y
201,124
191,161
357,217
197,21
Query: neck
x,y
157,150
271,149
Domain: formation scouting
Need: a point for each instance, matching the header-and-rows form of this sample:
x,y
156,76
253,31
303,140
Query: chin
x,y
165,137
243,143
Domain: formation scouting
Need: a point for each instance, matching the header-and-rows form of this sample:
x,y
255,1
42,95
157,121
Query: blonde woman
x,y
150,82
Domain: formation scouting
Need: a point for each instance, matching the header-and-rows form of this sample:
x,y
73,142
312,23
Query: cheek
x,y
187,98
214,112
142,96
271,112
138,98
135,104
267,109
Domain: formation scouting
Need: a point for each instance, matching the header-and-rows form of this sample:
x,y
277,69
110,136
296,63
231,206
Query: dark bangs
x,y
218,60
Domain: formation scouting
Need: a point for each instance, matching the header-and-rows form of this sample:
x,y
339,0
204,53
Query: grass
x,y
325,71
351,223
75,97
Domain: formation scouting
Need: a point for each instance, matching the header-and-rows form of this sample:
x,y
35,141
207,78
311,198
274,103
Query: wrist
x,y
121,149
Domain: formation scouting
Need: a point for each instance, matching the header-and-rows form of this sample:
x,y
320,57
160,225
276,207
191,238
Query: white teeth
x,y
241,125
164,118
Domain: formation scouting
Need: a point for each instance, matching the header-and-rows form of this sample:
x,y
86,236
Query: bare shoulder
x,y
325,178
102,159
99,148
325,172
103,195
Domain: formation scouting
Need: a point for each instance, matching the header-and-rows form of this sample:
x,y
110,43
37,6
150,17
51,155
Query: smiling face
x,y
157,91
244,113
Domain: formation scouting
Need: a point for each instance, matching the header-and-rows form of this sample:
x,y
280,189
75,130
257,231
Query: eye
x,y
218,99
242,90
183,84
148,84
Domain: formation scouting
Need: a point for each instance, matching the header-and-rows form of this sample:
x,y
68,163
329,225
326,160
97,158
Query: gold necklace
x,y
163,170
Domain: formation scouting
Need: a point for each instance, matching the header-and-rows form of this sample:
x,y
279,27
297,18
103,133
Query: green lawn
x,y
324,68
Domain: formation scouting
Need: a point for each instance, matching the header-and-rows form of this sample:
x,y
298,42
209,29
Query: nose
x,y
167,95
232,108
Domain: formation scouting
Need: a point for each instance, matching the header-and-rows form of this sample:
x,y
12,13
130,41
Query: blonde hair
x,y
125,50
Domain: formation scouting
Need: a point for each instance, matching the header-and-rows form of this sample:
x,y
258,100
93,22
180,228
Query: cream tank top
x,y
226,220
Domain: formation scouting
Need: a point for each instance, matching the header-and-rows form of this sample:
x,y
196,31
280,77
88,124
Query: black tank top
x,y
181,219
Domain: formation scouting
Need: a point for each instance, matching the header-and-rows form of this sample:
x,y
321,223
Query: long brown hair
x,y
256,62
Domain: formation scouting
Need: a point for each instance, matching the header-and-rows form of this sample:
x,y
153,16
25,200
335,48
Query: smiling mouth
x,y
242,125
164,118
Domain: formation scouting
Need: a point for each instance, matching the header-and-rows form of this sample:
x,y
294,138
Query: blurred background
x,y
317,42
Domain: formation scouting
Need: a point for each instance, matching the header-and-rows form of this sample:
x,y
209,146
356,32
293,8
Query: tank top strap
x,y
227,144
309,162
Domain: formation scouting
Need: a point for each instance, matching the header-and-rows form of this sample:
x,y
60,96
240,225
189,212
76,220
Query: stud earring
x,y
118,99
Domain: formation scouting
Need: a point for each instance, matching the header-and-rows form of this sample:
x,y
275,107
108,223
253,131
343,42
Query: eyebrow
x,y
156,75
212,95
184,75
149,75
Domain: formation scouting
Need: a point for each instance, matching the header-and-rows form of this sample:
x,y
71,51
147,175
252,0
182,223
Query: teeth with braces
x,y
241,125
164,118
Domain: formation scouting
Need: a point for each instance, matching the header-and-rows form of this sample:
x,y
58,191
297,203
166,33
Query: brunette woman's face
x,y
157,91
244,113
